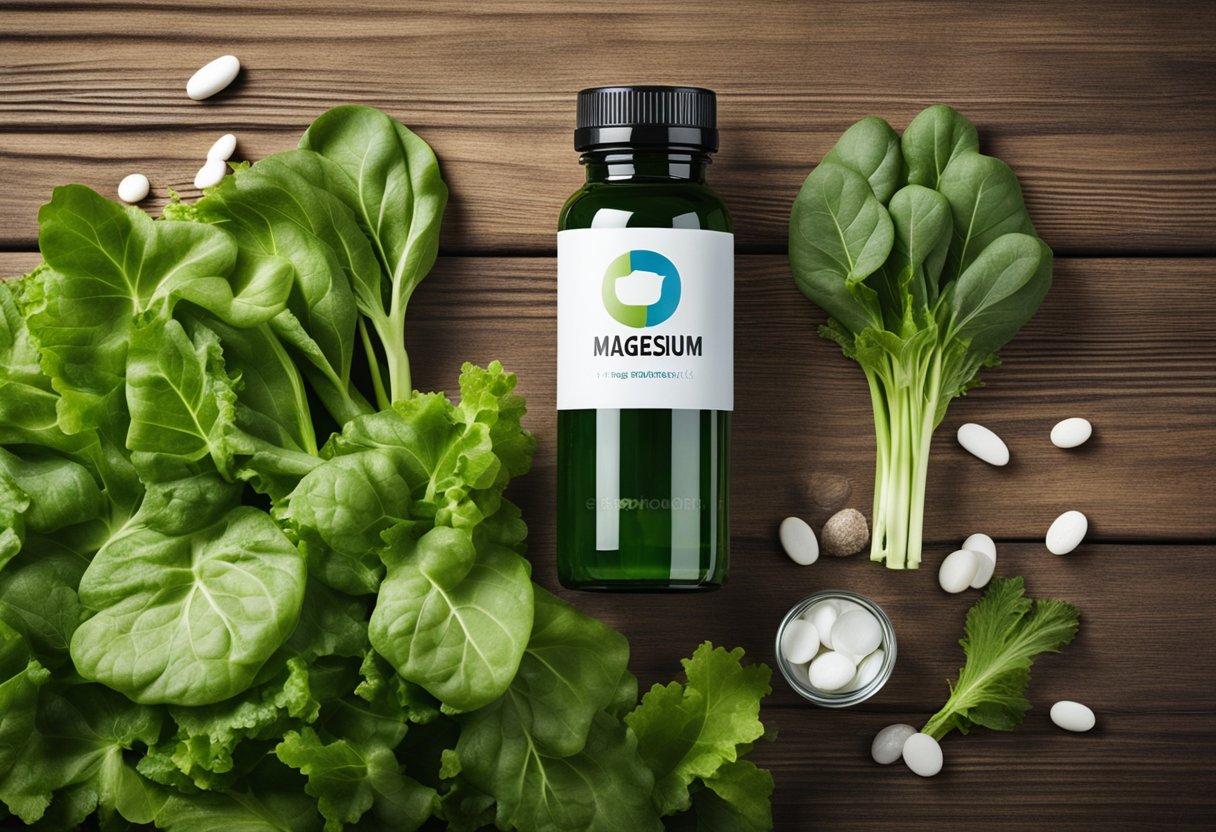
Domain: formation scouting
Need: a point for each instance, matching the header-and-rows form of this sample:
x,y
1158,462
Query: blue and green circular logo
x,y
641,288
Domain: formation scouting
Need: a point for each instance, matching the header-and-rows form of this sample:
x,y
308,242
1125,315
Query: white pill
x,y
958,570
856,632
985,566
1072,716
799,641
213,77
923,755
799,541
980,543
210,174
223,148
985,444
1067,532
888,745
844,605
133,188
823,615
832,671
867,670
1071,432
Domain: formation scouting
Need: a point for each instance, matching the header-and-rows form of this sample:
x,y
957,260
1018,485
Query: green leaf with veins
x,y
570,671
60,492
181,400
871,148
736,799
189,618
454,618
38,596
691,730
1000,291
340,510
110,262
840,234
357,774
393,186
201,754
605,787
80,738
271,799
986,202
1005,631
936,137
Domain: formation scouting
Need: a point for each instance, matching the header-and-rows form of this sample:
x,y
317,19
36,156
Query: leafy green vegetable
x,y
188,618
692,730
236,594
1004,633
921,252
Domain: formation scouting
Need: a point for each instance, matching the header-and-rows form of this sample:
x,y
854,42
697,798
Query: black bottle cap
x,y
646,116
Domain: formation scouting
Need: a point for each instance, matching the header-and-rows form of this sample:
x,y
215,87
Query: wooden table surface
x,y
1106,110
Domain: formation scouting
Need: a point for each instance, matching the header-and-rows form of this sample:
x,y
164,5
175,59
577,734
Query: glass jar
x,y
796,675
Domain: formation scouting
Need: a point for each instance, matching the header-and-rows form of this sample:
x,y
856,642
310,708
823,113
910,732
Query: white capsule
x,y
1071,432
888,745
867,670
798,540
210,174
223,148
823,615
133,188
958,570
983,443
856,632
1067,532
1072,716
985,566
799,641
213,77
831,671
923,755
980,543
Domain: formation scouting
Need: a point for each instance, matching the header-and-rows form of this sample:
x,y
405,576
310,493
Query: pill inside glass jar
x,y
836,648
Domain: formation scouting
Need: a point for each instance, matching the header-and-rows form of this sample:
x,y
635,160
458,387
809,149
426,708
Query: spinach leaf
x,y
454,618
392,183
188,617
831,266
925,268
871,148
108,263
936,137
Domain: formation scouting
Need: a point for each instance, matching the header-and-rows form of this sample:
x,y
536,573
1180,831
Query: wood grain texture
x,y
1112,343
1106,111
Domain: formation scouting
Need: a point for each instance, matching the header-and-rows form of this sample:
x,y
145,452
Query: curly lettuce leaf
x,y
691,730
1004,633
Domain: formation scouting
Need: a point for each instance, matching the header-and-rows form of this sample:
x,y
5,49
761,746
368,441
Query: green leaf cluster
x,y
1004,633
251,579
922,253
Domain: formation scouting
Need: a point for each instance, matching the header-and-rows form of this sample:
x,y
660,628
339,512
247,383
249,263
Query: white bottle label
x,y
645,319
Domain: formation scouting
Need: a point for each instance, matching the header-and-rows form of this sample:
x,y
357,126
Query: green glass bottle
x,y
645,348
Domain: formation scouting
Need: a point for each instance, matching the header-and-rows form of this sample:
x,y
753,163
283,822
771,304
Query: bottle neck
x,y
645,165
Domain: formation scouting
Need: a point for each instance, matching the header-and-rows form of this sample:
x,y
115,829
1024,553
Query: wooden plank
x,y
1105,110
1129,344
